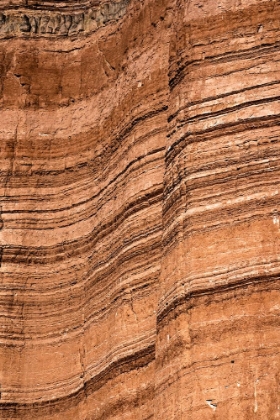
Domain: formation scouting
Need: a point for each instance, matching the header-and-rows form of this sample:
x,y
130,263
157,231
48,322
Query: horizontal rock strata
x,y
139,215
218,316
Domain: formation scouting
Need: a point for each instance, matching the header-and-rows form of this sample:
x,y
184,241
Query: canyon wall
x,y
139,210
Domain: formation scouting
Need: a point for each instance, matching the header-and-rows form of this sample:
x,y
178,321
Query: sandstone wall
x,y
139,210
218,312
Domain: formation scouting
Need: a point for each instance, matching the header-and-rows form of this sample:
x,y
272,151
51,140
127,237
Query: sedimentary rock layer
x,y
139,211
218,311
57,18
83,141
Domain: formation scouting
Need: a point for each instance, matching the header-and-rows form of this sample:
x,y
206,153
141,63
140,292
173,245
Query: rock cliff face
x,y
140,255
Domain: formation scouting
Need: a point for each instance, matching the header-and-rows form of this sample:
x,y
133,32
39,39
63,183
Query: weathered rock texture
x,y
140,167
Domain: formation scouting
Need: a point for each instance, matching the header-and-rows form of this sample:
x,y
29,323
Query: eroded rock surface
x,y
58,19
140,210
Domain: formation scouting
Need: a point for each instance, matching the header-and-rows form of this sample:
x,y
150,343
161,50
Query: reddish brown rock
x,y
139,210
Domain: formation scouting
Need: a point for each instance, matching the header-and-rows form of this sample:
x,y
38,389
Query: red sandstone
x,y
140,210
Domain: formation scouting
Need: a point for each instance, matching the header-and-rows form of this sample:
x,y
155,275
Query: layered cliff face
x,y
139,211
218,313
